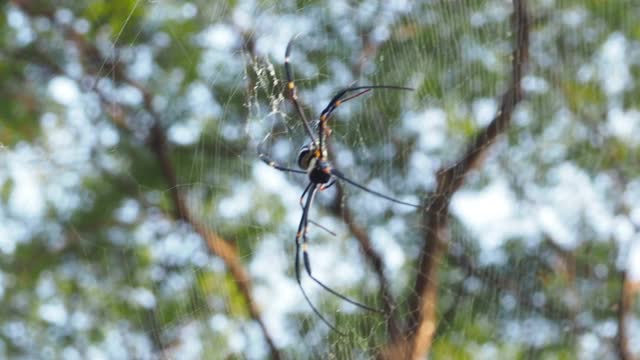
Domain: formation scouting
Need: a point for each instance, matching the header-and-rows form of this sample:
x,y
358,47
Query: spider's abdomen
x,y
318,176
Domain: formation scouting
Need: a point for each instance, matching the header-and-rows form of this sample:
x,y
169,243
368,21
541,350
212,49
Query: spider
x,y
313,161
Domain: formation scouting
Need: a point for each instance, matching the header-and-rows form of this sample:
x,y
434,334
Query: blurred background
x,y
137,221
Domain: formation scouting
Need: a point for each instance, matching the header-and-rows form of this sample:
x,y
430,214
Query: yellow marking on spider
x,y
304,247
317,153
338,102
323,117
299,234
291,85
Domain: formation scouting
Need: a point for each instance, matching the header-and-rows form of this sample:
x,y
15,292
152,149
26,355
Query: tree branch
x,y
158,144
624,307
628,288
218,246
423,319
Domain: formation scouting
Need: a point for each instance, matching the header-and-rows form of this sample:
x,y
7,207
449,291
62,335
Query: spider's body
x,y
320,173
313,161
315,164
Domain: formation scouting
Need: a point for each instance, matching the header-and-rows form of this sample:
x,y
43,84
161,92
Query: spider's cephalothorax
x,y
312,160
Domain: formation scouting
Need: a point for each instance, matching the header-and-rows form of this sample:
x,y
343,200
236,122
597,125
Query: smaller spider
x,y
313,161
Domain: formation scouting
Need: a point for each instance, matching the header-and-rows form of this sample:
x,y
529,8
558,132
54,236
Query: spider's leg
x,y
325,187
269,161
322,227
341,176
311,221
293,95
338,99
323,129
307,263
302,197
302,228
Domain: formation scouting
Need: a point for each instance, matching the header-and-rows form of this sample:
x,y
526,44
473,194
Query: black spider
x,y
313,160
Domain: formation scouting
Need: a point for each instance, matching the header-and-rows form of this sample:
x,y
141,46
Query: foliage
x,y
97,259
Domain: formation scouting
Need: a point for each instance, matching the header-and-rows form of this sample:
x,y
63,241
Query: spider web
x,y
377,140
540,237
